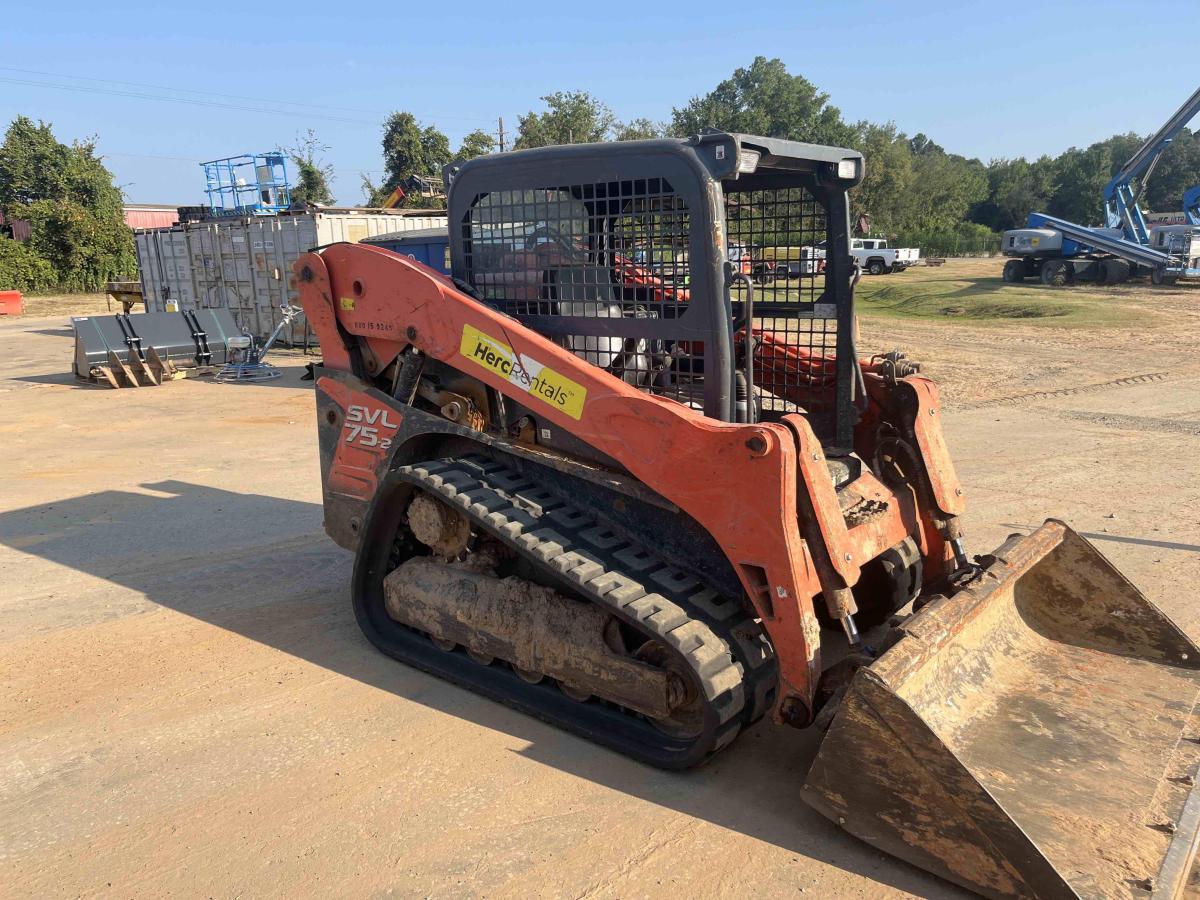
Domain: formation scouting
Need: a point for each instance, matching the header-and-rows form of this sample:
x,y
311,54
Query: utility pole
x,y
501,134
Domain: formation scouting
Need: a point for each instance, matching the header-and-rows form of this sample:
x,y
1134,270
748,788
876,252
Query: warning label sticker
x,y
525,373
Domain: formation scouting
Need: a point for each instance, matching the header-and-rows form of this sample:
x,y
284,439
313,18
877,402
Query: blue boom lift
x,y
1191,205
1060,252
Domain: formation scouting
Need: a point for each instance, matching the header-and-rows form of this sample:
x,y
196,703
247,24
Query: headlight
x,y
848,168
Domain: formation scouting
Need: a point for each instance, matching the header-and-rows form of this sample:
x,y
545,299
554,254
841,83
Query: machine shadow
x,y
290,377
65,378
261,567
1118,539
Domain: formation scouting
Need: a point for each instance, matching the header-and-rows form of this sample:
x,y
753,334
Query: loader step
x,y
710,636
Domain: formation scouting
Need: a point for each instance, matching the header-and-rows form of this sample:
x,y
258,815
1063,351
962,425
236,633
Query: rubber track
x,y
732,661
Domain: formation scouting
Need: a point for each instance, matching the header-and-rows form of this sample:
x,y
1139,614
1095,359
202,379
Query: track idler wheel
x,y
446,532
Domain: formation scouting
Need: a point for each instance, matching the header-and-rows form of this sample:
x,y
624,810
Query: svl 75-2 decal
x,y
363,424
364,439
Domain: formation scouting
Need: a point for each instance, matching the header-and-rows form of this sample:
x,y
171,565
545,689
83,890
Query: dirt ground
x,y
70,304
188,709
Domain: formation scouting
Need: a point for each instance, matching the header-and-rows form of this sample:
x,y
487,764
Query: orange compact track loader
x,y
602,476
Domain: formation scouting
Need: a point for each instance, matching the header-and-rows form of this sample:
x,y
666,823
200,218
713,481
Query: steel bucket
x,y
1033,735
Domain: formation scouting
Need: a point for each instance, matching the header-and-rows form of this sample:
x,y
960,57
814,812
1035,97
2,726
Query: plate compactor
x,y
601,476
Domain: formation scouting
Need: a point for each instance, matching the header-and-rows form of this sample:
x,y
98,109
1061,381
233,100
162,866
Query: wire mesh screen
x,y
778,238
592,266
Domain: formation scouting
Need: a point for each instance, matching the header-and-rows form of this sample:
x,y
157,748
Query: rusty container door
x,y
1033,735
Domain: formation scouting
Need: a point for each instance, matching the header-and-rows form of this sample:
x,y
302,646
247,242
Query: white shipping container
x,y
243,264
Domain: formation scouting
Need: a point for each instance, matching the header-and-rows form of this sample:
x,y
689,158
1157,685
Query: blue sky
x,y
972,75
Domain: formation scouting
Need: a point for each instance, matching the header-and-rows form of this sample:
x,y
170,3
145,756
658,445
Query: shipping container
x,y
150,215
243,264
426,245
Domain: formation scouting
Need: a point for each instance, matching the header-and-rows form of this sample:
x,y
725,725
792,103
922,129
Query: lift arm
x,y
1191,205
1120,199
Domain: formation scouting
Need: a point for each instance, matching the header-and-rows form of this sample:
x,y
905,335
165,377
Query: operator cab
x,y
648,272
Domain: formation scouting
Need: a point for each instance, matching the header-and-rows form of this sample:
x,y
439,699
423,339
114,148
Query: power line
x,y
159,87
348,171
186,159
79,88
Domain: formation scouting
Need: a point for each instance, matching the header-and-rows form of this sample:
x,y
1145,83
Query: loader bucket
x,y
1033,735
128,350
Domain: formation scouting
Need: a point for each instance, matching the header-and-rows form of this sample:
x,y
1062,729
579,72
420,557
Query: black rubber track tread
x,y
725,649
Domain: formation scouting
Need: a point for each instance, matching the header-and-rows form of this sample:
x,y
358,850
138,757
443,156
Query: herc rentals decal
x,y
525,373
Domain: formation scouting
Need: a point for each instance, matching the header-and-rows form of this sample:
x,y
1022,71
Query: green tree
x,y
1080,177
477,143
888,177
912,185
637,130
1016,187
313,175
409,149
76,213
1178,169
1072,184
765,99
922,145
571,117
33,165
945,188
21,269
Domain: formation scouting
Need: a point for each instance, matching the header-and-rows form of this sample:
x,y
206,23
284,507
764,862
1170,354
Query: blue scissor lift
x,y
252,184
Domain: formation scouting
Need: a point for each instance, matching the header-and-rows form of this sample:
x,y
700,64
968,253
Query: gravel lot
x,y
187,707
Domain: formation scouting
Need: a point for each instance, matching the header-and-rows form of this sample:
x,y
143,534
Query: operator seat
x,y
589,292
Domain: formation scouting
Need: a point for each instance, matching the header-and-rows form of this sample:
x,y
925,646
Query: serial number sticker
x,y
348,303
523,372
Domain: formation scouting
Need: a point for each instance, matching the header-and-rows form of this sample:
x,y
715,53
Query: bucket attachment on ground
x,y
150,348
1033,735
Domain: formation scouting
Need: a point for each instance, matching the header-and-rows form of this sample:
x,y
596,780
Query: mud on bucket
x,y
1031,736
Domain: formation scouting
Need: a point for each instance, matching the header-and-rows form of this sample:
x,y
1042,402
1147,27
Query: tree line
x,y
78,238
914,189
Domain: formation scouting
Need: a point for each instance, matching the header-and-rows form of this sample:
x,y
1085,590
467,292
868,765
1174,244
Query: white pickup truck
x,y
877,258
